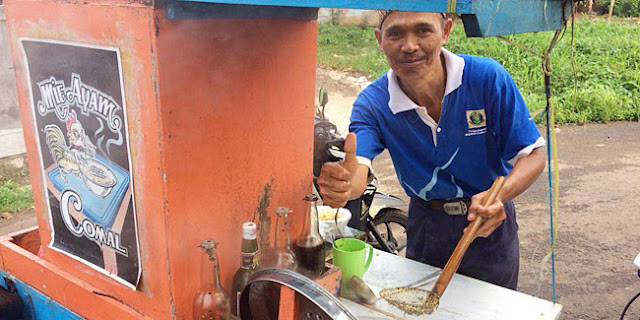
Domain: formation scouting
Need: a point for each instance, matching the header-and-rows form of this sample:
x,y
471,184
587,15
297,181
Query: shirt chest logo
x,y
477,122
476,119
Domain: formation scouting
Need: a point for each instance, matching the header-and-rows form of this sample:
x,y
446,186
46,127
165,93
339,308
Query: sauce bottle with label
x,y
247,266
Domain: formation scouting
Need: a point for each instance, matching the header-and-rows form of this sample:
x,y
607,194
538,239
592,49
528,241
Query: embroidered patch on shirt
x,y
476,119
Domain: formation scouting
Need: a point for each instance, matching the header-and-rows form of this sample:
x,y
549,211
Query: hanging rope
x,y
552,149
552,152
451,6
552,160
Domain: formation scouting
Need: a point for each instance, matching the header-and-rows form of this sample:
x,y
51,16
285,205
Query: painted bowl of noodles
x,y
98,177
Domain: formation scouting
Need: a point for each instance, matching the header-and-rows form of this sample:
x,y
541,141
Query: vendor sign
x,y
78,108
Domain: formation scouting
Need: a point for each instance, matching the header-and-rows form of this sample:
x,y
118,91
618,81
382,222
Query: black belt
x,y
454,207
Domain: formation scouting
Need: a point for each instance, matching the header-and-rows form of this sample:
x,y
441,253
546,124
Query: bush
x,y
622,8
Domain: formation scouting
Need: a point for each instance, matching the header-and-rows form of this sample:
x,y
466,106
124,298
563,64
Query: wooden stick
x,y
613,2
456,257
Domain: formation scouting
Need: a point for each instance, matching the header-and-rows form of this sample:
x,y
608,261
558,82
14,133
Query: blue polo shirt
x,y
484,128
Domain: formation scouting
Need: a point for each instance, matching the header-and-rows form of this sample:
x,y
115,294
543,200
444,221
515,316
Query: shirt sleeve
x,y
368,136
517,132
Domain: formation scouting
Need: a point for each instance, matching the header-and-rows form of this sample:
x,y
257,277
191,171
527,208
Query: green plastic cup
x,y
353,256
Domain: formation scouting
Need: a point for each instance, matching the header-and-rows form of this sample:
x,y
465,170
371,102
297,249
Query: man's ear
x,y
378,34
446,30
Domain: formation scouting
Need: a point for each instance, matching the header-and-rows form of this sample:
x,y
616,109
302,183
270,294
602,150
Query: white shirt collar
x,y
398,100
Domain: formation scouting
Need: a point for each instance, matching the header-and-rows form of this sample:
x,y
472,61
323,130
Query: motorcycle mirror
x,y
323,98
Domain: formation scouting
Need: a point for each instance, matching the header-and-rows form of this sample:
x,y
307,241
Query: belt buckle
x,y
457,208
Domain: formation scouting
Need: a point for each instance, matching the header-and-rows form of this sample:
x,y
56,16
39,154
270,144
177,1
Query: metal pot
x,y
318,305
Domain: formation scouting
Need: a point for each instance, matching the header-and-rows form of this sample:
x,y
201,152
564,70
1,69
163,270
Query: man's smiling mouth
x,y
412,62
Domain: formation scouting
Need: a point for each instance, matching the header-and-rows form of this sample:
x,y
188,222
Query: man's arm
x,y
342,181
526,170
517,133
524,174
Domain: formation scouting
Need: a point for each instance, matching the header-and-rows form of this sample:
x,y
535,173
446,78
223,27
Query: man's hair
x,y
385,13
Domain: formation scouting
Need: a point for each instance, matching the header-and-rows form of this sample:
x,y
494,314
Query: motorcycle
x,y
382,217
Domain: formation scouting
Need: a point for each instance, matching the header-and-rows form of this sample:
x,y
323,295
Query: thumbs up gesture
x,y
335,180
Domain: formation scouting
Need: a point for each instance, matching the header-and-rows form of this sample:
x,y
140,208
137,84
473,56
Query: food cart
x,y
184,112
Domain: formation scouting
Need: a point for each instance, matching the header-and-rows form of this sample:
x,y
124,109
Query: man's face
x,y
412,41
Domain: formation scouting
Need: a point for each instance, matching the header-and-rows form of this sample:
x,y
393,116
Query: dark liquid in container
x,y
310,256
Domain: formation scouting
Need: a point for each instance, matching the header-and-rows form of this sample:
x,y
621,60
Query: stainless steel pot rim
x,y
304,286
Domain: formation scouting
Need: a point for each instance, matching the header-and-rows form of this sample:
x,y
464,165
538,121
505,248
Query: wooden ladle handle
x,y
456,257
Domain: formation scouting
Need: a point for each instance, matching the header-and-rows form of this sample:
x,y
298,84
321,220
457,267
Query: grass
x,y
14,198
15,190
606,55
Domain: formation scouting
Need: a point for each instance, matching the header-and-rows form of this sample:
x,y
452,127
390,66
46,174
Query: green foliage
x,y
350,48
621,8
14,198
607,61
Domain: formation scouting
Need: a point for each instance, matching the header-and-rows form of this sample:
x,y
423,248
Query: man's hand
x,y
493,213
524,173
335,177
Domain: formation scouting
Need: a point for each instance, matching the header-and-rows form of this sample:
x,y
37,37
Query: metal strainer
x,y
416,301
411,300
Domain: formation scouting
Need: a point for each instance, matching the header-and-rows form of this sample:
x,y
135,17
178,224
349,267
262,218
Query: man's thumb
x,y
350,162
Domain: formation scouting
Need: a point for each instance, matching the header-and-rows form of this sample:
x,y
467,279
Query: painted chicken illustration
x,y
80,149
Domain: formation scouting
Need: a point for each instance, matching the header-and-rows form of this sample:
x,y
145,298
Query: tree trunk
x,y
611,8
590,8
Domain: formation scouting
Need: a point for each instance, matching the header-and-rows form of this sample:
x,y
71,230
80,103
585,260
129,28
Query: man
x,y
452,124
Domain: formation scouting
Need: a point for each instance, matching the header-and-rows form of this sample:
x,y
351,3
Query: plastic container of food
x,y
327,224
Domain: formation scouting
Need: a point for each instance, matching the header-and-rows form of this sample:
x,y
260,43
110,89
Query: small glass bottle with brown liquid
x,y
309,246
211,301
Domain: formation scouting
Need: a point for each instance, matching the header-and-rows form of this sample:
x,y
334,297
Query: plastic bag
x,y
327,224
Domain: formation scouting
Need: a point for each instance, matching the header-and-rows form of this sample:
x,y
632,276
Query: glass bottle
x,y
281,255
248,264
211,302
309,246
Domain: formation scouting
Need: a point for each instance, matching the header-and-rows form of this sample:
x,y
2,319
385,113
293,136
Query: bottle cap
x,y
311,197
249,230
